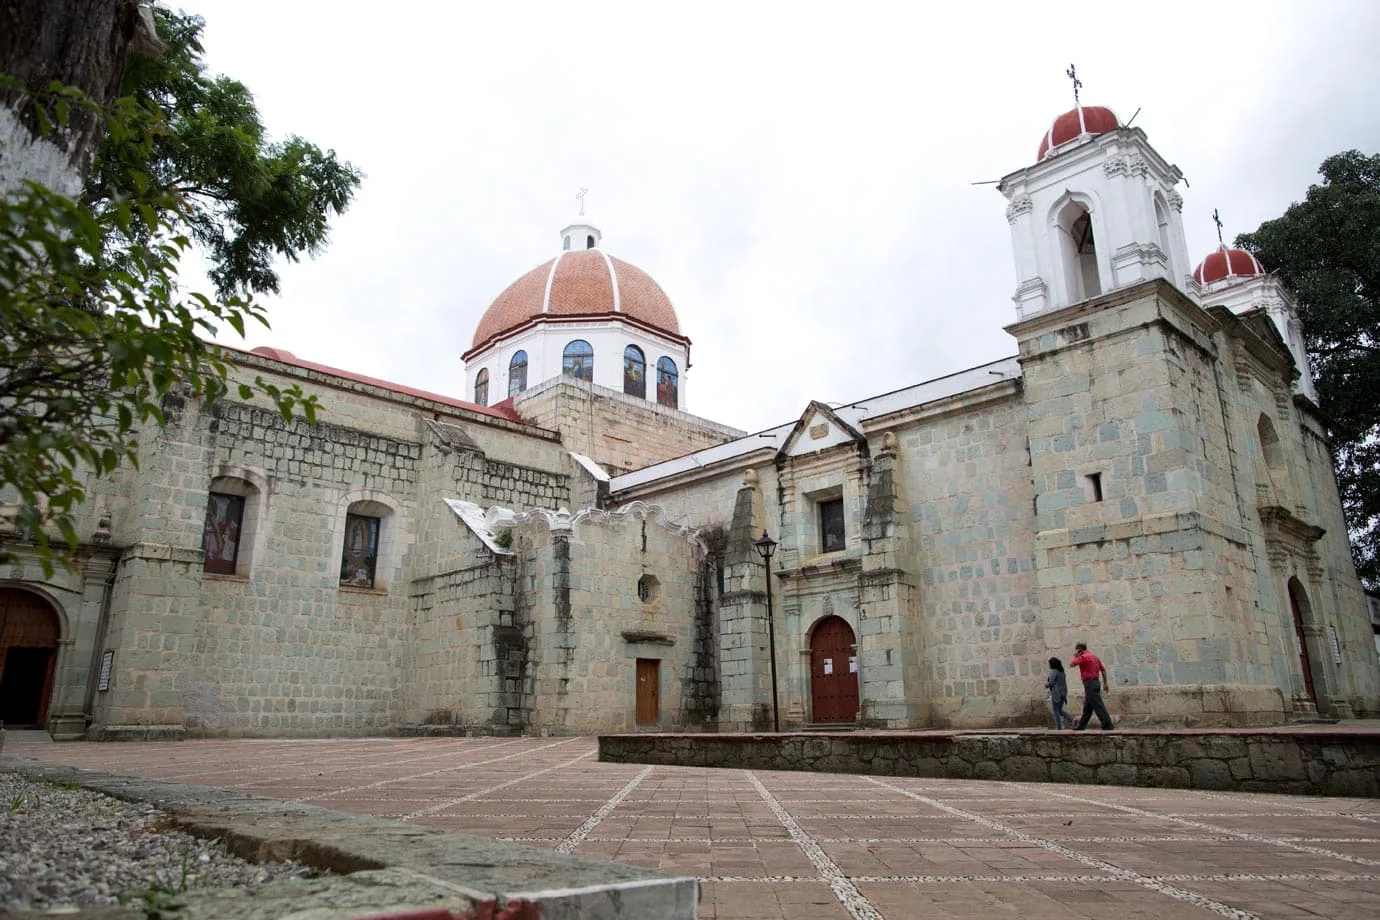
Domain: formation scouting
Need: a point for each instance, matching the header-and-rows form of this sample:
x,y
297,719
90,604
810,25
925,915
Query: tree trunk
x,y
80,43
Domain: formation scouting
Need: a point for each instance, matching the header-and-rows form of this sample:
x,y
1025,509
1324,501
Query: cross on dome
x,y
1072,74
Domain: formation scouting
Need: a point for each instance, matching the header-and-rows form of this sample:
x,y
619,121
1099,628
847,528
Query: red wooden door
x,y
833,672
648,691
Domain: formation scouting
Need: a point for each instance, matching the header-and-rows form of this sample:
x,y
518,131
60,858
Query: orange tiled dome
x,y
1227,263
1079,121
583,282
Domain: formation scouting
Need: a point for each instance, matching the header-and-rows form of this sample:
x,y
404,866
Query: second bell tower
x,y
1097,211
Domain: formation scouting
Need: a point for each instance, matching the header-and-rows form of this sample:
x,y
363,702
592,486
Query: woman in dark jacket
x,y
1058,687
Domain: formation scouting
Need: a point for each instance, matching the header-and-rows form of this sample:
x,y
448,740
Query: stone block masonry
x,y
1315,762
618,431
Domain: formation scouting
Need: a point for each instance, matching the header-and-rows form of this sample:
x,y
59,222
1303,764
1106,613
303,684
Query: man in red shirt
x,y
1090,668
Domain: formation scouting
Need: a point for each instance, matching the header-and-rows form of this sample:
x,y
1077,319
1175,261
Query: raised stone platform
x,y
1340,759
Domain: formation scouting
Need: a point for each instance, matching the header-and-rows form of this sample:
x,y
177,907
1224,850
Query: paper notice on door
x,y
852,664
828,666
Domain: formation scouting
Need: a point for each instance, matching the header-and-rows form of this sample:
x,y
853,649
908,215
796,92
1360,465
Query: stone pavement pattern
x,y
809,845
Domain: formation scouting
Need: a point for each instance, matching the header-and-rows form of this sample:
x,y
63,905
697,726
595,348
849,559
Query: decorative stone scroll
x,y
1019,205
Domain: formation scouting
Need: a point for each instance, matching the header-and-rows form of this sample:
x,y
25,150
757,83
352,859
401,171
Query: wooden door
x,y
833,671
28,652
648,691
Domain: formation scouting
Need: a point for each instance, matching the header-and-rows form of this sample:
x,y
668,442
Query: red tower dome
x,y
1227,263
1079,121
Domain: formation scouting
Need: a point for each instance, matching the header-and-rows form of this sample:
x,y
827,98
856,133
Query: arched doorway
x,y
833,671
1298,603
29,631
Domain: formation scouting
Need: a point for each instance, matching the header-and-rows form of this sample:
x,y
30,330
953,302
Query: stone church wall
x,y
967,479
281,647
618,431
588,627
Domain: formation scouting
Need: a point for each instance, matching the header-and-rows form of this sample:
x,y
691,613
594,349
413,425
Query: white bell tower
x,y
1098,211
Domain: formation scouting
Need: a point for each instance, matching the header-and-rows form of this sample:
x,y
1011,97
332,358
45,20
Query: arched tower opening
x,y
1078,253
1303,614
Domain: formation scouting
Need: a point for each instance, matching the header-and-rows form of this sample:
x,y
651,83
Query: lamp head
x,y
766,546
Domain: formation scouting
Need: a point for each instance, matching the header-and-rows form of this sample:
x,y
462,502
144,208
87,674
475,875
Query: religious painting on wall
x,y
634,372
578,360
667,383
220,536
517,373
361,550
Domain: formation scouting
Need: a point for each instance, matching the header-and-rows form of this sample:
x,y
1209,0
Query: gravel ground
x,y
66,847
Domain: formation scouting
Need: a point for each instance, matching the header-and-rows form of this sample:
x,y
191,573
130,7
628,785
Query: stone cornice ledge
x,y
1145,526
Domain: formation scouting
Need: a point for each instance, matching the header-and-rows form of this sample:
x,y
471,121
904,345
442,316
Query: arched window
x,y
481,387
589,242
232,515
517,373
1269,444
366,541
1272,483
1162,222
221,534
634,372
565,244
1078,251
578,360
667,383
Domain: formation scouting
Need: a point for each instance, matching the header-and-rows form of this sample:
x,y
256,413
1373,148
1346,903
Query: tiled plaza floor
x,y
809,845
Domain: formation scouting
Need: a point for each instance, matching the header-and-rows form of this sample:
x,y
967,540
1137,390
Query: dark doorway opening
x,y
29,631
24,685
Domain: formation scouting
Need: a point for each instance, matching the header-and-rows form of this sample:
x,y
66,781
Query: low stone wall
x,y
1324,762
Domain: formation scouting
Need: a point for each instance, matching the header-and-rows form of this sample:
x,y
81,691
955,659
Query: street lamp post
x,y
766,547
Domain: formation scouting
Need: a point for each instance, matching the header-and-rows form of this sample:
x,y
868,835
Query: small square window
x,y
1092,487
361,550
220,536
831,531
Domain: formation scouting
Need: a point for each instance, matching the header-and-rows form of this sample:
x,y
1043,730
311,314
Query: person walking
x,y
1058,687
1090,668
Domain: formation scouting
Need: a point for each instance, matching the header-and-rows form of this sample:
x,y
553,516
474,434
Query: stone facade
x,y
1143,479
617,431
1149,474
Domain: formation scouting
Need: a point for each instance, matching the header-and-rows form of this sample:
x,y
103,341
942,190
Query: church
x,y
565,549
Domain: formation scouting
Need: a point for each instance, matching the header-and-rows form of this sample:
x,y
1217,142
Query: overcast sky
x,y
798,178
